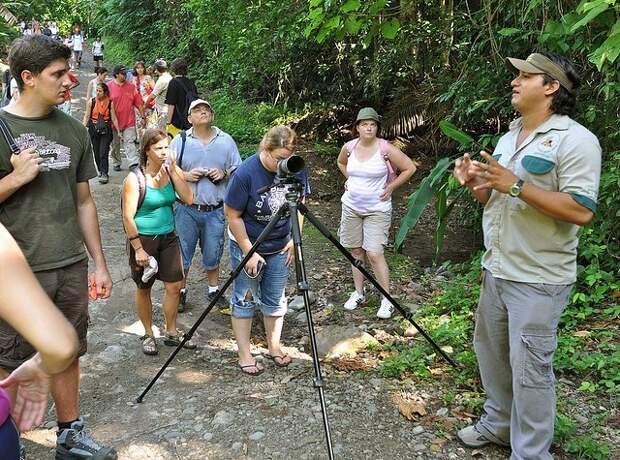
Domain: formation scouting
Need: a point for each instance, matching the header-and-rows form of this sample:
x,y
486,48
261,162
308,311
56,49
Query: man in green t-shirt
x,y
46,205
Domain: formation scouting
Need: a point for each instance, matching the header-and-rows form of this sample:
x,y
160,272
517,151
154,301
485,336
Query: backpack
x,y
383,144
190,95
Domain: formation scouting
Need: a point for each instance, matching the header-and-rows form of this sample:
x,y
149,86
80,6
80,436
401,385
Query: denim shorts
x,y
267,289
203,227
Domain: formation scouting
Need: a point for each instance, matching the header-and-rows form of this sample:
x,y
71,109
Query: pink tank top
x,y
5,406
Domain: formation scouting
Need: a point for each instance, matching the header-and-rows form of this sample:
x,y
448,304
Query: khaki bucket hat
x,y
537,63
367,113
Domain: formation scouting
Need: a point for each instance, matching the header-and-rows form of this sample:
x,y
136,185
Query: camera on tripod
x,y
290,166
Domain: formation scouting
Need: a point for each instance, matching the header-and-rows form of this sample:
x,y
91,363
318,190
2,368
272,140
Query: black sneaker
x,y
222,302
182,301
116,167
75,443
22,451
103,178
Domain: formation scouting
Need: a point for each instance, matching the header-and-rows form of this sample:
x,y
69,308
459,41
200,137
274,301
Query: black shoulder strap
x,y
92,106
8,137
183,140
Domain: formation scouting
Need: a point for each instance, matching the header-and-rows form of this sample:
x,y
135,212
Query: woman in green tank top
x,y
148,195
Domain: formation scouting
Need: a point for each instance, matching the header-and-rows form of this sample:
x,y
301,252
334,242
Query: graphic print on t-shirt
x,y
55,156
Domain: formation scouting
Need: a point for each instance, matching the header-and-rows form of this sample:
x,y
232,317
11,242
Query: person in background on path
x,y
150,233
159,93
27,388
144,84
539,187
181,92
210,156
45,197
367,201
100,119
262,283
97,51
66,105
126,99
77,44
54,29
91,89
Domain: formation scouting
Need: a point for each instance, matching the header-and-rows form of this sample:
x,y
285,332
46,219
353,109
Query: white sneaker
x,y
386,309
150,270
355,300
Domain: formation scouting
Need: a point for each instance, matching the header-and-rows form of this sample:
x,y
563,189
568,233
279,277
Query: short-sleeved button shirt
x,y
221,153
523,244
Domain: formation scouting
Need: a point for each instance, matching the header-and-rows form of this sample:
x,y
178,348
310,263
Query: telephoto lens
x,y
292,165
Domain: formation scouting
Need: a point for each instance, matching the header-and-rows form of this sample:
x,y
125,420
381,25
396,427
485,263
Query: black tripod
x,y
293,205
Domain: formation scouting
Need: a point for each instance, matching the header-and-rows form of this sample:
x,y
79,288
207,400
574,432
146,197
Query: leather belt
x,y
203,207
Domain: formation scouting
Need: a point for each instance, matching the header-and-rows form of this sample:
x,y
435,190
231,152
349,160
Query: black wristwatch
x,y
515,189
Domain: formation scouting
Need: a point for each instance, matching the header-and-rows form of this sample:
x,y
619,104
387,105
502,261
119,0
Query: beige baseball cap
x,y
537,63
196,102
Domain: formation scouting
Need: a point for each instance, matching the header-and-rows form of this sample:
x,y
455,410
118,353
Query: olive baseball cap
x,y
368,113
537,63
196,102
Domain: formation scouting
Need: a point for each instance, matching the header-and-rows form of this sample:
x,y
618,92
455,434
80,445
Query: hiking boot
x,y
75,443
355,300
182,300
386,310
221,302
103,178
175,340
471,437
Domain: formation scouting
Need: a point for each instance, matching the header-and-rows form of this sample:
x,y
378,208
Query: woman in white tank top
x,y
367,204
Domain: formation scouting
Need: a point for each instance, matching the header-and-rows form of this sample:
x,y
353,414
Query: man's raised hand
x,y
26,165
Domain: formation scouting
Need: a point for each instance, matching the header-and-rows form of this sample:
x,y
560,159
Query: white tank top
x,y
365,184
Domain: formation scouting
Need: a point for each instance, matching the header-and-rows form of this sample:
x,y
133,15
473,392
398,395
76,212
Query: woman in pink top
x,y
369,162
39,322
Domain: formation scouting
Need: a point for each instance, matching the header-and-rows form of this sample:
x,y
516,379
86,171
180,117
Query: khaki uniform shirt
x,y
523,244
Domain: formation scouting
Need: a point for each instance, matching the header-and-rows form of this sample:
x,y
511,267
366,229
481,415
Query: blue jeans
x,y
206,228
267,289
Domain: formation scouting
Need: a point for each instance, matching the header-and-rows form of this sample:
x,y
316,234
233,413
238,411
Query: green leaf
x,y
421,198
352,25
456,134
508,31
351,5
390,28
592,14
608,51
377,6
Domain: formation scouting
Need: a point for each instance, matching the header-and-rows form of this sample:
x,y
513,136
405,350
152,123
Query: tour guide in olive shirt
x,y
539,186
46,205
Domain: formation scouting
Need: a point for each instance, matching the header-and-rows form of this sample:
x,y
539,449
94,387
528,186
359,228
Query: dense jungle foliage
x,y
419,62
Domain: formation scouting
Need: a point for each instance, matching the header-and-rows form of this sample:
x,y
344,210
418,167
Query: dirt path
x,y
203,407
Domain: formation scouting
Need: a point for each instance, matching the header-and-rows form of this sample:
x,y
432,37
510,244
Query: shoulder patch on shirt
x,y
549,142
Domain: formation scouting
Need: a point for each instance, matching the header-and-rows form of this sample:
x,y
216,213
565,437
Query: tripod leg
x,y
235,273
302,286
358,264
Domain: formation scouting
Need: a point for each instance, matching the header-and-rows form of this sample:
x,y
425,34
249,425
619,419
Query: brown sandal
x,y
255,365
149,346
279,360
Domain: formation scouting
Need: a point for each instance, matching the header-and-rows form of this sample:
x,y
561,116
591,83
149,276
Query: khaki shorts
x,y
368,231
68,289
167,251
